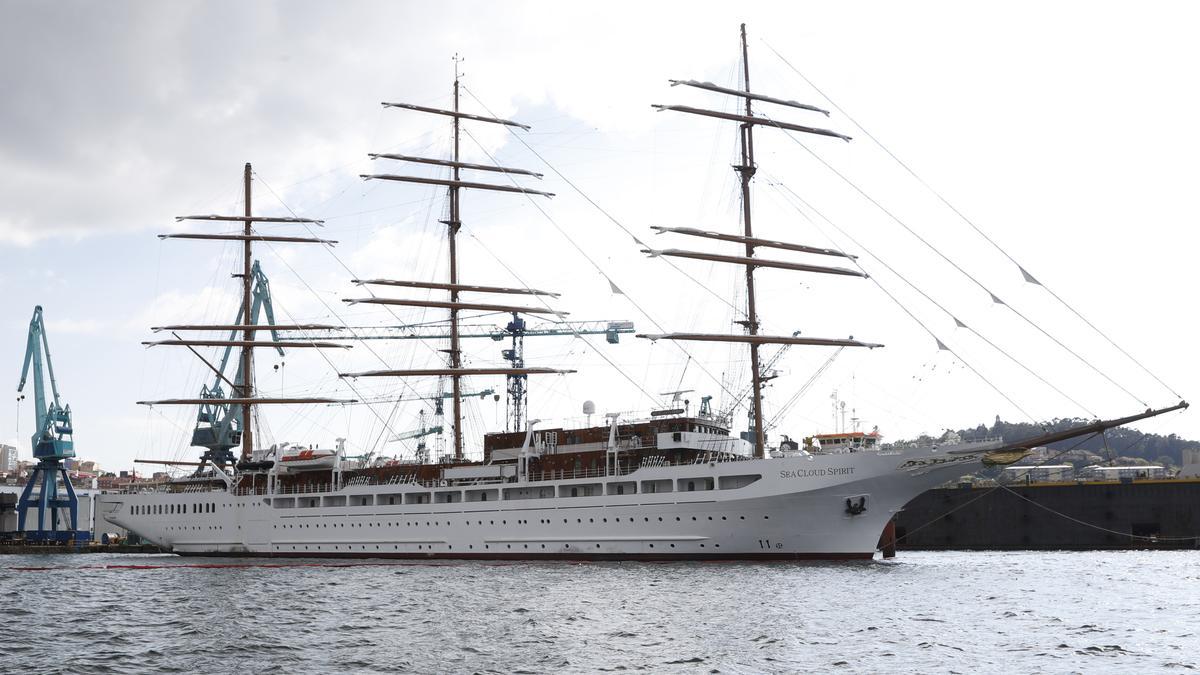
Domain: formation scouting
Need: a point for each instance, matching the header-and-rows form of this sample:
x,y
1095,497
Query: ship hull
x,y
819,507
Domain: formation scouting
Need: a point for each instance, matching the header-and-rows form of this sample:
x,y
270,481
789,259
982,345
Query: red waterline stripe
x,y
220,566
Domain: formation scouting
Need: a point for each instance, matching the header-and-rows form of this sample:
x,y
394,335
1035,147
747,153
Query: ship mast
x,y
244,394
455,370
746,172
247,335
452,228
746,169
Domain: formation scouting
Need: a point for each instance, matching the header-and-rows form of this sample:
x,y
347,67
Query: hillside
x,y
1121,441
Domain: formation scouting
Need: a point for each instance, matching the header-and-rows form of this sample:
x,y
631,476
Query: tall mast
x,y
243,391
455,370
248,334
746,169
746,172
452,226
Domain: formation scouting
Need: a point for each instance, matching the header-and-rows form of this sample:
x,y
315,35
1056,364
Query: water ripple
x,y
926,612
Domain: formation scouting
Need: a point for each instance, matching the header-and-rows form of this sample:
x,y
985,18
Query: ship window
x,y
574,492
691,486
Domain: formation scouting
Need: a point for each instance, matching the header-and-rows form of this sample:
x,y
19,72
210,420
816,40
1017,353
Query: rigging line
x,y
338,317
1092,525
941,345
322,352
599,208
339,261
991,490
574,331
778,184
599,269
1028,277
787,406
943,256
395,408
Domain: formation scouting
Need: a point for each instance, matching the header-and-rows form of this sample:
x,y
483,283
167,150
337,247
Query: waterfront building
x,y
8,459
1046,473
1123,473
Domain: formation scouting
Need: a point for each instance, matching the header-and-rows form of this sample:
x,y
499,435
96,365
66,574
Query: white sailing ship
x,y
674,485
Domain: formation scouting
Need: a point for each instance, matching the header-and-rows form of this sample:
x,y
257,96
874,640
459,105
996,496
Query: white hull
x,y
796,510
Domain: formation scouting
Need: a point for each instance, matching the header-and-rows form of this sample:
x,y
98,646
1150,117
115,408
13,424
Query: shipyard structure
x,y
1126,513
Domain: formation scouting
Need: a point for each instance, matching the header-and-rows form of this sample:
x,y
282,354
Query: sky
x,y
1064,132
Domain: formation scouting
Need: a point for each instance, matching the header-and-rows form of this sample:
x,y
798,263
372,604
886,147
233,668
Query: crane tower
x,y
52,445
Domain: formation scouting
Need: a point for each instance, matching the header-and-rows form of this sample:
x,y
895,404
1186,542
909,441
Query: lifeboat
x,y
309,459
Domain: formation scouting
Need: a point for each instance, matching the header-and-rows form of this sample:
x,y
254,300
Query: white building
x,y
8,459
1191,463
1123,473
1046,473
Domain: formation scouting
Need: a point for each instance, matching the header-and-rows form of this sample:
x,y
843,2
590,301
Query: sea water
x,y
944,612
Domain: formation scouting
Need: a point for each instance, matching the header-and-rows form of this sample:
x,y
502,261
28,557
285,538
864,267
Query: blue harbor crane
x,y
218,424
52,446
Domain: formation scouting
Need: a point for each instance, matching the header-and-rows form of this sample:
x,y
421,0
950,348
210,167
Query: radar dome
x,y
589,408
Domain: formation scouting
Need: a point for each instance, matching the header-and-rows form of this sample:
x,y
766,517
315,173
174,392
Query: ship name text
x,y
809,473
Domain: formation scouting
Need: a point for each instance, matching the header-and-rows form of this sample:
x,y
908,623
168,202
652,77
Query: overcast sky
x,y
1065,131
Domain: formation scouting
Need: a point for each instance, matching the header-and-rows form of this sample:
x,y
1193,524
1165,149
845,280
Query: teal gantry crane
x,y
52,445
218,424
